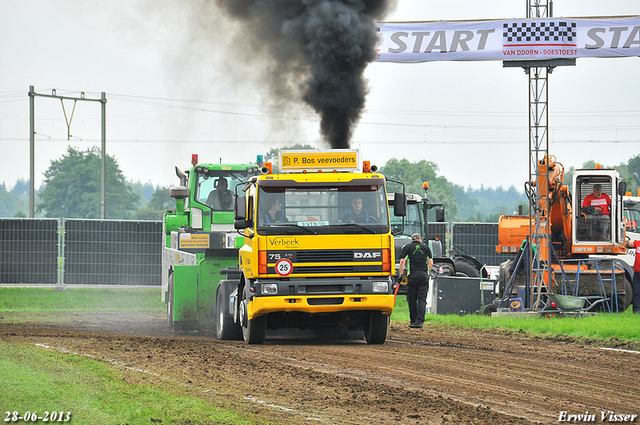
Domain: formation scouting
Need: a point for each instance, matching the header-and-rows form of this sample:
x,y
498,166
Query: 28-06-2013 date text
x,y
55,416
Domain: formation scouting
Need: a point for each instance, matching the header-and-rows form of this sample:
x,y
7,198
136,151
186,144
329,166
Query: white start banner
x,y
518,39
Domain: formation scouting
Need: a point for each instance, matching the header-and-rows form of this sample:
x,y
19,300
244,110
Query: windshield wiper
x,y
294,225
357,225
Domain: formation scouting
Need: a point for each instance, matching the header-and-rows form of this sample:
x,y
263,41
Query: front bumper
x,y
320,296
320,304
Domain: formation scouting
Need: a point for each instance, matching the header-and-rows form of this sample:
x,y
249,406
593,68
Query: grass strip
x,y
80,299
605,326
36,379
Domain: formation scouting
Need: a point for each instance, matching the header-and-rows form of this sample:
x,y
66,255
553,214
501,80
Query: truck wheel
x,y
375,327
170,301
253,331
488,309
226,329
465,269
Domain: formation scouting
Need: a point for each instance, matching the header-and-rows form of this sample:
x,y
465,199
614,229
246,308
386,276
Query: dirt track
x,y
419,376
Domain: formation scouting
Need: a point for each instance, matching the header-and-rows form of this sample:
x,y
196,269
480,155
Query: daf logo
x,y
372,255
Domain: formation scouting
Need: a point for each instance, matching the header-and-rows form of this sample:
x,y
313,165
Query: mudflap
x,y
226,328
209,276
185,297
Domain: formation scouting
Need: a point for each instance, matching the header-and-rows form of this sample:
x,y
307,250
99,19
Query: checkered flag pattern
x,y
539,32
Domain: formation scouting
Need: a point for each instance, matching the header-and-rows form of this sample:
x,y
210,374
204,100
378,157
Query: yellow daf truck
x,y
318,249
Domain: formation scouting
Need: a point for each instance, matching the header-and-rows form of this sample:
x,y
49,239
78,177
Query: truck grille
x,y
324,256
348,261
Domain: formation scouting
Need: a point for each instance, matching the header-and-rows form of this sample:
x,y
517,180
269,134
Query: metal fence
x,y
29,250
109,252
478,240
61,251
124,252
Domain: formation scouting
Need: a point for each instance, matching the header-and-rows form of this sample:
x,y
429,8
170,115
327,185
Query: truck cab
x,y
318,249
598,222
200,241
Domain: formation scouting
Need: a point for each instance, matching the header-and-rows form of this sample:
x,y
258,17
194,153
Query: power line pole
x,y
32,125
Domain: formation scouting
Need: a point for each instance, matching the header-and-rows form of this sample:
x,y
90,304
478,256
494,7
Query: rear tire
x,y
226,329
465,268
375,328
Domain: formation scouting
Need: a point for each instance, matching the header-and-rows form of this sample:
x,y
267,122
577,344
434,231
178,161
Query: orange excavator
x,y
584,237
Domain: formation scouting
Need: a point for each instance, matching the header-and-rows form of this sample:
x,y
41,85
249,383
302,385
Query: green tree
x,y
72,187
414,174
21,187
159,203
9,203
634,168
160,199
143,190
14,203
632,176
486,204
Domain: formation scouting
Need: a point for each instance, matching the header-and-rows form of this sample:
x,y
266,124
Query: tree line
x,y
71,189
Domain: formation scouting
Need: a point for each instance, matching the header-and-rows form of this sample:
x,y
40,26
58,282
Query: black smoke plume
x,y
317,50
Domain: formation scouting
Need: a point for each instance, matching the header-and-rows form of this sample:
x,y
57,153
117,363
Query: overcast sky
x,y
173,89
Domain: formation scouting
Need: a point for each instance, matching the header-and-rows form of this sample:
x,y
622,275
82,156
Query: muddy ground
x,y
419,376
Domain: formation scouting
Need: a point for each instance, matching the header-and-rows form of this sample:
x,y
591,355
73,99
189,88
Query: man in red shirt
x,y
636,274
600,201
597,205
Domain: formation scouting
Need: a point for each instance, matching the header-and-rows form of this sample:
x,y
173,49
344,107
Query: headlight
x,y
269,288
381,286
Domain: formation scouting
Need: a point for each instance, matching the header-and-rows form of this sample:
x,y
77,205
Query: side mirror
x,y
622,188
400,204
240,209
242,224
440,215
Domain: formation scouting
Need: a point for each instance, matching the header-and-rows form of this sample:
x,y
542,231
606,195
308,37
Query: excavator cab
x,y
598,225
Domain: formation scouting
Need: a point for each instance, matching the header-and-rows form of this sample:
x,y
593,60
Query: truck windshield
x,y
214,188
593,219
335,210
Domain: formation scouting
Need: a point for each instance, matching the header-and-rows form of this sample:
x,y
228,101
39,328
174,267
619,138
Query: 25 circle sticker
x,y
35,417
284,267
